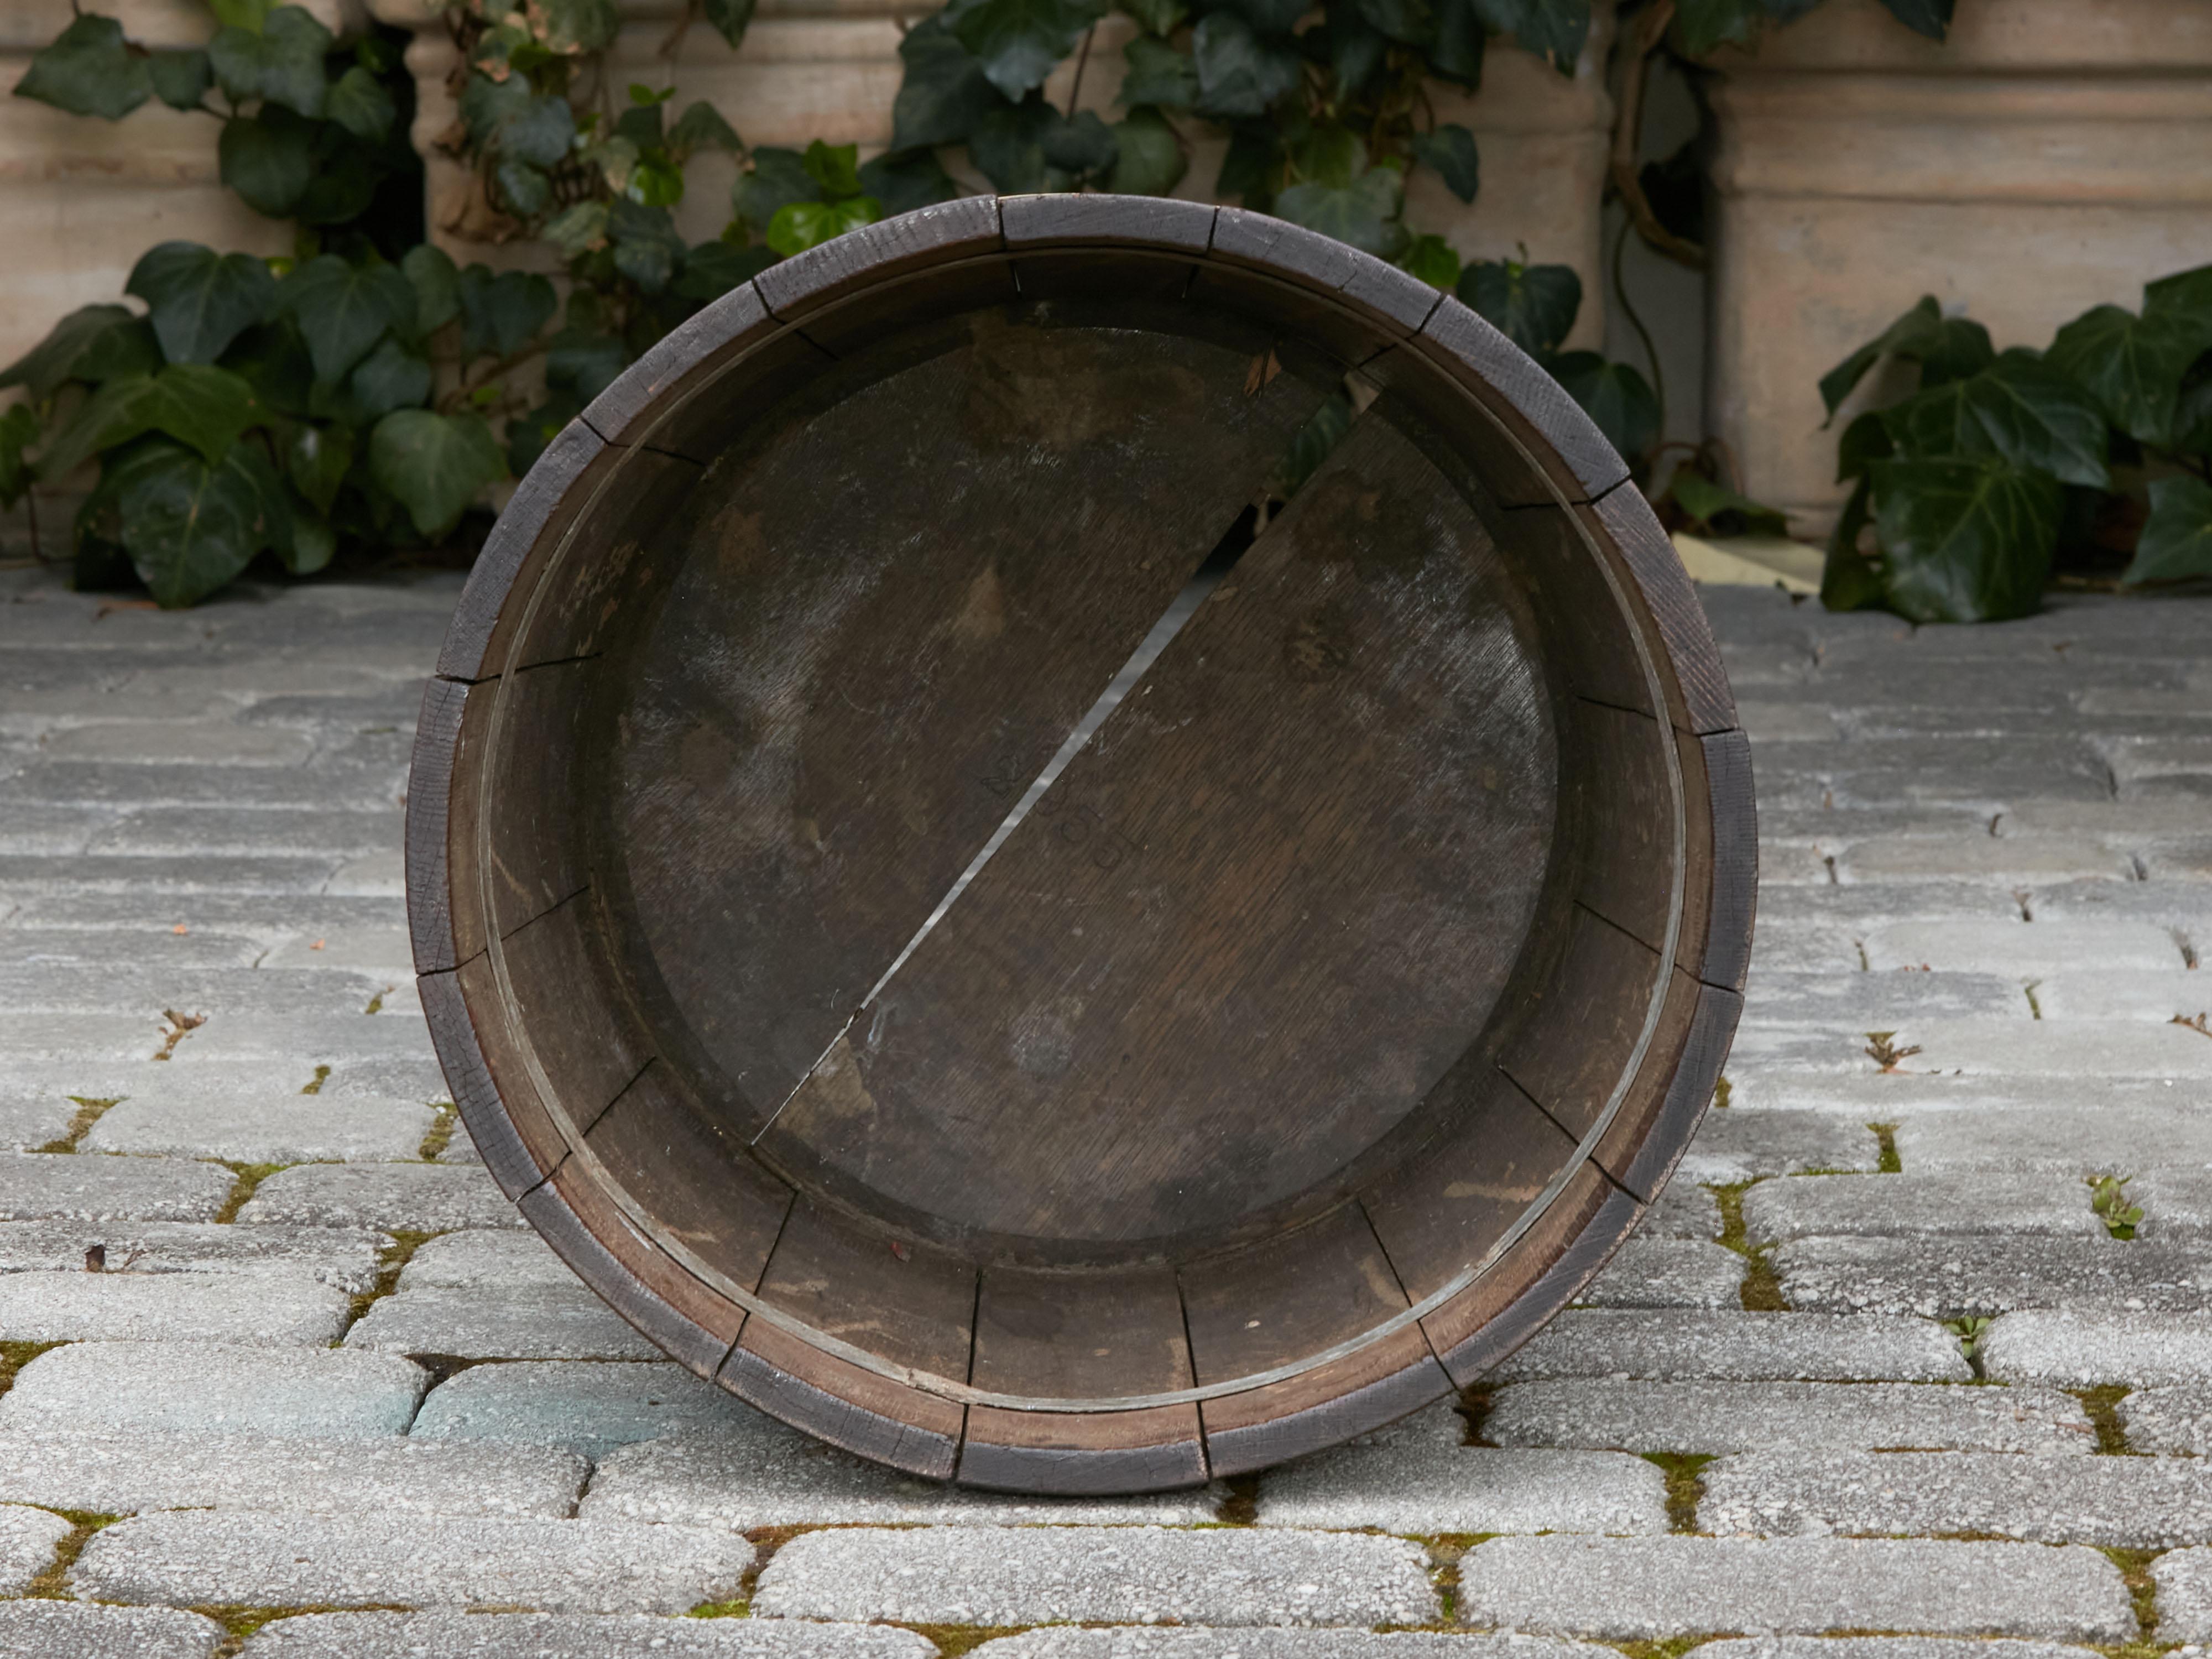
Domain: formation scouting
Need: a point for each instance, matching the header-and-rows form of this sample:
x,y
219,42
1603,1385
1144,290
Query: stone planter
x,y
829,69
2052,156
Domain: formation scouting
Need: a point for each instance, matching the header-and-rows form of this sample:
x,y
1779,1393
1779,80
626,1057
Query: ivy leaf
x,y
2131,365
503,313
1157,74
579,229
1532,305
1450,151
316,459
205,407
1865,440
272,358
180,79
436,283
1363,212
2187,296
1019,42
1080,146
242,14
804,225
1962,540
587,362
945,94
574,28
2039,420
1849,580
1703,25
18,431
1614,395
1273,19
1008,148
713,268
344,179
191,527
1409,22
1455,55
359,103
776,179
1240,74
1929,17
730,18
1435,261
88,70
524,189
198,302
2176,539
1148,157
393,376
269,160
1355,50
507,118
1550,28
281,64
701,127
304,541
44,369
433,465
344,309
1160,17
833,168
1705,501
1946,348
1310,445
648,248
1248,165
903,183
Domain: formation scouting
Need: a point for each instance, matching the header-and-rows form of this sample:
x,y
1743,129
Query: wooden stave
x,y
1614,521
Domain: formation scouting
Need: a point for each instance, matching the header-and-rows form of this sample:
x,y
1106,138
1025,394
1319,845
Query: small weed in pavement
x,y
1971,1332
52,1585
176,1029
1889,1162
1761,1292
2108,1197
1685,1485
2102,1407
1241,1508
89,1112
1886,1053
1475,1404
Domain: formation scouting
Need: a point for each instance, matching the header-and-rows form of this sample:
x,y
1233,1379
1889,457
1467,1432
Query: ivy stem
x,y
1628,310
460,394
1082,62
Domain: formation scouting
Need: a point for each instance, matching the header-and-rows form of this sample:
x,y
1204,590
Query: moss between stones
x,y
314,1086
14,1356
1685,1485
441,1133
240,1622
2135,1567
52,1585
2102,1405
1889,1162
953,1640
250,1176
89,1112
396,1255
1672,1648
1761,1292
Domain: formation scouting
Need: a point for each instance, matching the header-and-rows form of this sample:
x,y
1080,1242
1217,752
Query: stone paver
x,y
532,1322
2089,1048
213,1388
213,1558
754,1472
2185,1594
268,1126
2176,1203
127,1470
482,1258
1946,1278
1668,1272
1061,1641
345,1258
593,1408
1117,1575
2128,1503
2074,1129
190,1306
1883,1647
2019,950
2078,1348
427,1198
1791,1346
1652,1588
1919,1206
1726,1417
1741,1145
86,1188
1420,1476
2176,1418
28,1538
66,1629
573,1636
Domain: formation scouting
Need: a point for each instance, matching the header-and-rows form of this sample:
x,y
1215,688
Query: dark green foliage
x,y
1450,151
199,300
1532,305
1148,158
945,94
434,464
1016,43
1158,74
1964,483
89,71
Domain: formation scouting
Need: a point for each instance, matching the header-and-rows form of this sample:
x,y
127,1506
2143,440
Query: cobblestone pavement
x,y
1885,1361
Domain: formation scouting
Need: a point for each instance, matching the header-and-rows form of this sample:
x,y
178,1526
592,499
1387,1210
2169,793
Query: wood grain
x,y
1324,1407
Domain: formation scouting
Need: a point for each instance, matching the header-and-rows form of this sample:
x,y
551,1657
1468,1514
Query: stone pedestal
x,y
829,69
2051,157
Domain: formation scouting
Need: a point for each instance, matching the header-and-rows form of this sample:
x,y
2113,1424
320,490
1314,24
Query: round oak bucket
x,y
1081,843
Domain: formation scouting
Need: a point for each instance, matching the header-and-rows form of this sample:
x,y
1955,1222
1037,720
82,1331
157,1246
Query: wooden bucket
x,y
1318,1032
